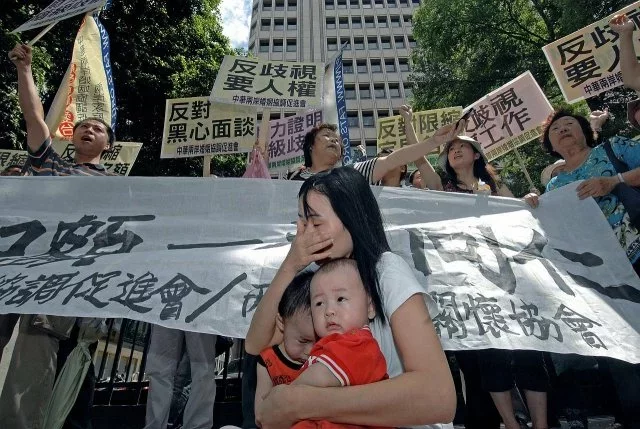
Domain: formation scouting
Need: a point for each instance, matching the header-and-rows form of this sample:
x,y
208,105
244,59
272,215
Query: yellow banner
x,y
196,127
86,91
587,62
12,157
264,83
391,130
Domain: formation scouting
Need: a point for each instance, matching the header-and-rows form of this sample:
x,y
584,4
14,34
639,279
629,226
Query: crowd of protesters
x,y
366,298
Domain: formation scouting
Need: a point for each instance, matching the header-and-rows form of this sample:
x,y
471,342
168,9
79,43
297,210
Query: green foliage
x,y
159,50
467,48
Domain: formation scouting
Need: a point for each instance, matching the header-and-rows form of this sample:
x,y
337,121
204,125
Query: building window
x,y
369,23
331,23
292,5
265,24
367,120
385,43
366,4
400,42
395,21
412,42
292,24
416,3
376,66
354,4
266,6
390,65
383,114
372,43
349,92
352,119
404,3
328,4
356,22
382,22
403,65
342,4
358,43
391,3
379,3
344,23
332,45
365,92
264,46
277,45
407,20
394,91
347,67
408,91
379,92
361,66
278,24
346,43
292,45
279,5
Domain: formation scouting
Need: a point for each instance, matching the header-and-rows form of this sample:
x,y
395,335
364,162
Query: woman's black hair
x,y
582,121
310,137
481,170
296,296
353,202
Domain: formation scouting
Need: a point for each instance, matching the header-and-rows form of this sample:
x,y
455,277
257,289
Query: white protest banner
x,y
391,130
87,89
286,137
118,160
264,83
196,127
197,255
59,10
509,117
12,157
587,62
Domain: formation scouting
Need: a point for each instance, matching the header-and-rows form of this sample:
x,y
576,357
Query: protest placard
x,y
286,137
196,127
509,117
12,157
587,62
59,10
271,84
87,89
390,131
494,273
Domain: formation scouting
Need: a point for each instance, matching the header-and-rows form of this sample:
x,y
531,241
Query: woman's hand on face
x,y
621,24
532,199
597,187
275,411
310,245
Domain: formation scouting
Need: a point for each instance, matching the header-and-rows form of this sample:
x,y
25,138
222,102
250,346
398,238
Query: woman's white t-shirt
x,y
397,285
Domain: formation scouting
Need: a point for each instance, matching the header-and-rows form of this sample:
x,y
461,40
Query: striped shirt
x,y
365,168
46,162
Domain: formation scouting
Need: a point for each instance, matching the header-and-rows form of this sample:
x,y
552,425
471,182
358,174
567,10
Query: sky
x,y
236,19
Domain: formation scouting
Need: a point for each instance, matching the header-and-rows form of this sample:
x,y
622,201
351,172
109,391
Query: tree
x,y
467,48
159,50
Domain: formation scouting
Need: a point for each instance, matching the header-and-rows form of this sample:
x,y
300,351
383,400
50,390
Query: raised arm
x,y
306,248
413,152
30,104
423,394
628,62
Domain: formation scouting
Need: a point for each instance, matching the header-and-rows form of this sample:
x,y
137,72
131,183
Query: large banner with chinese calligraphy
x,y
59,10
509,117
286,137
196,127
118,160
87,89
12,157
587,62
265,83
391,130
197,255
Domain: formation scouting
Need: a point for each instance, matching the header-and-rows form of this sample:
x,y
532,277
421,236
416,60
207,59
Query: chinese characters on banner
x,y
391,130
118,160
499,277
264,83
196,127
59,10
509,117
587,62
87,89
12,157
286,137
